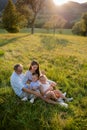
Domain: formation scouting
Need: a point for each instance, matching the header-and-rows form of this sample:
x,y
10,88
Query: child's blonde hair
x,y
42,76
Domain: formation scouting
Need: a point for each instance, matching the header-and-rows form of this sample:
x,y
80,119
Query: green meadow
x,y
64,59
41,30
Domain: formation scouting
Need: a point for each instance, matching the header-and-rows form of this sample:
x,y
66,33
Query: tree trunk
x,y
32,29
54,30
32,24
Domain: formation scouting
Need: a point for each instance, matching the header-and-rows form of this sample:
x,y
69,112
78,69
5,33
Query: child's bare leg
x,y
59,93
51,95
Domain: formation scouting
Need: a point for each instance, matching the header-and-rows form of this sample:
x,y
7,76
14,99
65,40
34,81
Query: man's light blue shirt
x,y
17,83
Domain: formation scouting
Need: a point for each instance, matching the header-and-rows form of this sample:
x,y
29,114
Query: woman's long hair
x,y
35,63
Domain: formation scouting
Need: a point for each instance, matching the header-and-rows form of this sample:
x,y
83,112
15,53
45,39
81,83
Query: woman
x,y
34,68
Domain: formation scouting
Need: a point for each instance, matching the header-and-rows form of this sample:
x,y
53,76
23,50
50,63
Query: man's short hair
x,y
16,66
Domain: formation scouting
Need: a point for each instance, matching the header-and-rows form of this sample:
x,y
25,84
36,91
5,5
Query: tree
x,y
26,12
80,28
11,18
55,22
48,25
35,6
84,17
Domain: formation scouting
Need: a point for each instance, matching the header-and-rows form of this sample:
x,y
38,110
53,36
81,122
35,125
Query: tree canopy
x,y
80,28
34,7
55,22
11,17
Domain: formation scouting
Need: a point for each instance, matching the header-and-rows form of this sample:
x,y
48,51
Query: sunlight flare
x,y
60,2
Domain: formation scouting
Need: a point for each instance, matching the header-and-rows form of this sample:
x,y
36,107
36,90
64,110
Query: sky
x,y
60,2
80,1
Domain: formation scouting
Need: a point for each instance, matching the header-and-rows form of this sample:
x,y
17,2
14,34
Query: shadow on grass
x,y
63,42
51,42
7,41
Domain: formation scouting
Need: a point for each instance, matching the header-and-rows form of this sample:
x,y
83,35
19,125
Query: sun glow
x,y
60,2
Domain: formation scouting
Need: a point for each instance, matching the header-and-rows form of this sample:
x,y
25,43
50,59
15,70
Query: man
x,y
20,88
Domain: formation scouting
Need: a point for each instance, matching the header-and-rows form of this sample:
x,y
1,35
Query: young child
x,y
37,86
34,85
47,90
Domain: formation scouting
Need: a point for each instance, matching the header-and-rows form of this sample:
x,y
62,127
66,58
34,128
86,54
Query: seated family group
x,y
34,84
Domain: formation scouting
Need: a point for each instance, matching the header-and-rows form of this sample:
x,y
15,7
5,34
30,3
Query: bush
x,y
1,52
13,30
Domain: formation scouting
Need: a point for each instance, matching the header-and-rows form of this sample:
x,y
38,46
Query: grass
x,y
41,30
64,58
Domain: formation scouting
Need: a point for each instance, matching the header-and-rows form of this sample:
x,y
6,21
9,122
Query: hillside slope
x,y
71,11
64,58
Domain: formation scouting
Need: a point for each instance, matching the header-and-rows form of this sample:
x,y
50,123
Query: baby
x,y
47,88
48,91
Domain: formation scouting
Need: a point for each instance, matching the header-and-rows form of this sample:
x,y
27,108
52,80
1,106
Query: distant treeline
x,y
43,14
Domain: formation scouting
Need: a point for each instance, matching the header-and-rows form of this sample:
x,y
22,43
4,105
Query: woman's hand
x,y
53,84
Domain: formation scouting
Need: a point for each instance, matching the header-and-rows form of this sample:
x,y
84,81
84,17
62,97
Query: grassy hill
x,y
64,58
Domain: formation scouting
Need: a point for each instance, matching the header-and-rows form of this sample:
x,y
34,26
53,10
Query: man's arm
x,y
27,90
41,90
39,95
